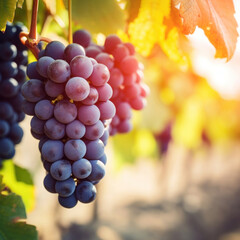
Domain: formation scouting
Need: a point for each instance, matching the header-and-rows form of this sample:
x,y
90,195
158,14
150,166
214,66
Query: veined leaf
x,y
11,211
215,17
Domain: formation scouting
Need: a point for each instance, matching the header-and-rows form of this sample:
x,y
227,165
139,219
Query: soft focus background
x,y
176,175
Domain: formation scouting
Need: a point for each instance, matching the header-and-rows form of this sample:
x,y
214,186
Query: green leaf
x,y
98,16
12,213
7,11
19,181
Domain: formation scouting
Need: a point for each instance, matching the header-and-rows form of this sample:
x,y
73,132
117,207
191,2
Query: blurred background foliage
x,y
184,108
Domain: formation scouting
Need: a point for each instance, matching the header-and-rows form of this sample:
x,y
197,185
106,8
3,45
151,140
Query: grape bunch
x,y
126,74
13,61
68,98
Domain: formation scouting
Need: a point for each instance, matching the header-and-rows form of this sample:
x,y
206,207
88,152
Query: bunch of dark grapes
x,y
68,97
126,74
13,61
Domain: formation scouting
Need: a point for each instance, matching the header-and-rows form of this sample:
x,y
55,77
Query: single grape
x,y
100,75
73,50
9,88
82,37
65,188
54,129
49,183
81,168
65,111
105,59
88,115
105,92
44,109
16,133
33,90
98,170
42,65
86,192
61,170
55,50
7,149
58,71
95,149
68,202
53,89
81,66
77,88
52,150
74,149
75,129
94,131
111,42
4,128
107,110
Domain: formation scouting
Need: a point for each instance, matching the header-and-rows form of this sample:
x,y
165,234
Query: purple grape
x,y
28,107
92,97
55,50
105,59
88,115
37,125
95,149
98,170
92,51
65,188
73,50
44,109
53,89
33,90
65,111
59,71
74,149
95,131
111,42
54,129
81,168
116,78
82,37
86,192
129,65
49,183
52,150
77,88
42,65
100,75
105,92
61,170
75,129
81,66
107,110
9,88
123,110
68,202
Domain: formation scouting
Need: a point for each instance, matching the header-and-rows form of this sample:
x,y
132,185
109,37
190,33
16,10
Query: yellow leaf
x,y
148,28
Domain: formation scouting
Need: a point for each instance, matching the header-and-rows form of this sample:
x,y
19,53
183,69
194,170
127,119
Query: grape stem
x,y
31,40
70,21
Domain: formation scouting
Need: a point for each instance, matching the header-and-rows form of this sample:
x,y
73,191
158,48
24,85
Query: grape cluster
x,y
68,98
126,74
13,61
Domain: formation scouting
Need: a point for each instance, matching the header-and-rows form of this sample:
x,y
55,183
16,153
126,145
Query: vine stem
x,y
70,21
31,39
33,27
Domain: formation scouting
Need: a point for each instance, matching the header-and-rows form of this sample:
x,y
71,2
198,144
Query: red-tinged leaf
x,y
215,17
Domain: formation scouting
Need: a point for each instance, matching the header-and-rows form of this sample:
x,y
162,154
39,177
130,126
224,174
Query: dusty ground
x,y
182,196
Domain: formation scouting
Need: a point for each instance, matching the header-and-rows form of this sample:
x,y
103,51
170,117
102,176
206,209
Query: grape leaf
x,y
7,11
215,17
98,16
19,181
12,214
